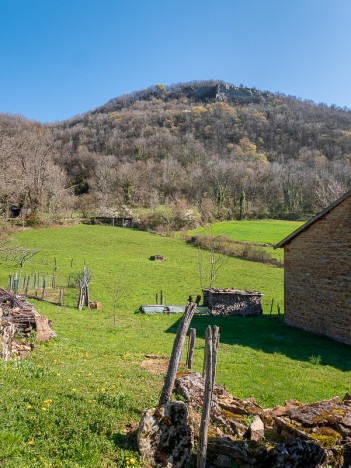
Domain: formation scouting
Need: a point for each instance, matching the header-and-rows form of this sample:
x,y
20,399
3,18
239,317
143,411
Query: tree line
x,y
204,150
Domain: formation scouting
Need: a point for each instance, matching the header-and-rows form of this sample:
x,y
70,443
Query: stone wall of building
x,y
318,276
232,301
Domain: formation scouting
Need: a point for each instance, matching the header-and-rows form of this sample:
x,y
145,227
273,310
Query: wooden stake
x,y
27,286
61,297
191,345
215,343
270,313
44,287
161,297
9,284
176,353
205,417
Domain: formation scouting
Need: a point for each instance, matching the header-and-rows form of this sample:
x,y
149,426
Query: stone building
x,y
317,275
225,301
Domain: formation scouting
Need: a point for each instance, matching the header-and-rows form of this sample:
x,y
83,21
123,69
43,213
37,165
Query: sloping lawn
x,y
77,400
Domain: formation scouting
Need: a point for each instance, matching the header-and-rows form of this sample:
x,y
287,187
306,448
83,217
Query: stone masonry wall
x,y
318,276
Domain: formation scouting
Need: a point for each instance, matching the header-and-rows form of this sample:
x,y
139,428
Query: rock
x,y
44,332
256,429
296,453
225,452
165,437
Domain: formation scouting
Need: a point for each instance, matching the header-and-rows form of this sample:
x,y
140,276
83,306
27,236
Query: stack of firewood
x,y
19,317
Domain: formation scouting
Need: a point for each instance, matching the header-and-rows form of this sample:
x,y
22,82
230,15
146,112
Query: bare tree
x,y
210,259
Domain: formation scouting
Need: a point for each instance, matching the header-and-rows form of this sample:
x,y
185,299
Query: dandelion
x,y
43,408
30,442
29,406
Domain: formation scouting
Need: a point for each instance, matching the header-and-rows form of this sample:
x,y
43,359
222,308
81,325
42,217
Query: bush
x,y
168,218
33,220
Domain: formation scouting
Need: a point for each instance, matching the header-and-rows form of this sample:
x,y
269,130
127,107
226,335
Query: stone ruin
x,y
19,318
222,302
244,434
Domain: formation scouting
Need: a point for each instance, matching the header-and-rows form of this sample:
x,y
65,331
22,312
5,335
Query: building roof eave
x,y
318,216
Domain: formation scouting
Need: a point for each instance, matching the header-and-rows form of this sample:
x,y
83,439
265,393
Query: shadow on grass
x,y
271,335
126,440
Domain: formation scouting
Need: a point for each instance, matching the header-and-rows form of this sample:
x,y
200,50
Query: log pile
x,y
19,317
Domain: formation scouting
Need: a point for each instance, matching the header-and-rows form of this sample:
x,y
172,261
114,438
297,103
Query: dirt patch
x,y
155,364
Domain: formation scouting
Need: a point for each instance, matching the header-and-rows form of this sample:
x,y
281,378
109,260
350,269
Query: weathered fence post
x,y
27,286
61,297
272,303
9,284
205,417
176,352
191,345
44,287
215,343
161,298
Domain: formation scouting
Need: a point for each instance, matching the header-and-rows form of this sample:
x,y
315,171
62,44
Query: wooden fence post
x,y
9,284
61,297
27,286
215,343
176,352
44,287
191,345
205,417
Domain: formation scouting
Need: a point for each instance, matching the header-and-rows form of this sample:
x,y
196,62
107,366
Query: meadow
x,y
76,401
262,232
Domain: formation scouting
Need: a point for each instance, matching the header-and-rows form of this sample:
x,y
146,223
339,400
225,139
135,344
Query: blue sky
x,y
60,58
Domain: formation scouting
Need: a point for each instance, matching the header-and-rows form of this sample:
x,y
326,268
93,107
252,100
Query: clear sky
x,y
60,58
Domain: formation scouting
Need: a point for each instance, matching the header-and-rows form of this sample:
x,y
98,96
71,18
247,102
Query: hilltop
x,y
206,148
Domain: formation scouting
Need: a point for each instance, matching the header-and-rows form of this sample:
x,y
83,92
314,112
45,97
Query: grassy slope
x,y
92,371
265,231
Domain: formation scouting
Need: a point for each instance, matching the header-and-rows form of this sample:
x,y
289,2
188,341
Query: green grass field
x,y
77,400
264,231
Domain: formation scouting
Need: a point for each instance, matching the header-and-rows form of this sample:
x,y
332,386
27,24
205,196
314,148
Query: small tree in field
x,y
210,260
118,295
83,281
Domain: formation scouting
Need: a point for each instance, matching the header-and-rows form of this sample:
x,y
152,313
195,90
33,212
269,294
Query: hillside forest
x,y
179,155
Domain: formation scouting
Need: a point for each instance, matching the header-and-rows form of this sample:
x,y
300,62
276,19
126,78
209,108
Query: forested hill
x,y
206,147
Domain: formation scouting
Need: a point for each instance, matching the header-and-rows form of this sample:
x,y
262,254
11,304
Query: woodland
x,y
179,155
